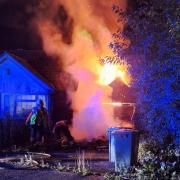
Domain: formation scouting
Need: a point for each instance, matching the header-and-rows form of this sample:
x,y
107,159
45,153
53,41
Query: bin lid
x,y
113,129
125,131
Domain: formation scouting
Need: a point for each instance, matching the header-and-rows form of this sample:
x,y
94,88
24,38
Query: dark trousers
x,y
36,133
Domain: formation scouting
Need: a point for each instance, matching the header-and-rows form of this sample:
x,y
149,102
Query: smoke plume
x,y
79,38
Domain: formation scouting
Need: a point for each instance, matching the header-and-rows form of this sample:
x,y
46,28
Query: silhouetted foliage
x,y
152,28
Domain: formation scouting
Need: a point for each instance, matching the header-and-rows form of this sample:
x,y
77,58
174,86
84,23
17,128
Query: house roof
x,y
27,66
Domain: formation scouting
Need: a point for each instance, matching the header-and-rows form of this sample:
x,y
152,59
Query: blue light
x,y
20,88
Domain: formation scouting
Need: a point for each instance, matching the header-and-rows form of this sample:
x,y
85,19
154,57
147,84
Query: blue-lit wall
x,y
19,88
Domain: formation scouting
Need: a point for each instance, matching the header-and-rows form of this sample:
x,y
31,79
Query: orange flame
x,y
113,68
93,23
110,72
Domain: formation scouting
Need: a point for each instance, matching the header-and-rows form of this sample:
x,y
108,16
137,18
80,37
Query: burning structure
x,y
89,33
76,35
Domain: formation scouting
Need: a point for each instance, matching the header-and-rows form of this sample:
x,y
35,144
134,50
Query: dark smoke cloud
x,y
64,23
2,1
16,28
16,17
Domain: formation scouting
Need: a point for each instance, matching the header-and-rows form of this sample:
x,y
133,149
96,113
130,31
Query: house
x,y
20,87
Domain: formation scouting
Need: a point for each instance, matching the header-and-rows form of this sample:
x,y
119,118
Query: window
x,y
26,97
6,105
24,108
25,103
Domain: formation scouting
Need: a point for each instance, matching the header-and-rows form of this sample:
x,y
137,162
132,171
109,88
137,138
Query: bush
x,y
153,53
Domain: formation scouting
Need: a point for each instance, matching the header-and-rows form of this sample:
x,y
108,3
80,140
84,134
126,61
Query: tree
x,y
152,28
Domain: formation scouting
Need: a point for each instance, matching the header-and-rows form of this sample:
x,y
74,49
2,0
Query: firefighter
x,y
38,121
61,129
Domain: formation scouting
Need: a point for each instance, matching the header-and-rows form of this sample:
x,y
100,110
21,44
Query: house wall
x,y
14,79
18,106
19,89
14,110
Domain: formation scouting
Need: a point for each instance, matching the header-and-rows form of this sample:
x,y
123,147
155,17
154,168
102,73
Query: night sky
x,y
16,31
16,24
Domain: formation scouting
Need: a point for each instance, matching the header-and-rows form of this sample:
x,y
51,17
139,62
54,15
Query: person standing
x,y
38,120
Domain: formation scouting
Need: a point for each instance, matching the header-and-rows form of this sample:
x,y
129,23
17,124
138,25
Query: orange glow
x,y
109,73
119,104
90,24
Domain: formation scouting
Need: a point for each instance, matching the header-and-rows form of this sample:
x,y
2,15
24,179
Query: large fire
x,y
91,32
110,72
